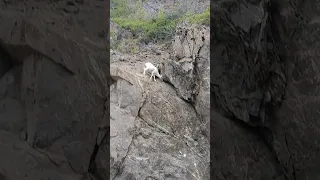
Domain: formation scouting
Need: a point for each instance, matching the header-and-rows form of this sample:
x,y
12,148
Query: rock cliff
x,y
161,129
53,88
265,80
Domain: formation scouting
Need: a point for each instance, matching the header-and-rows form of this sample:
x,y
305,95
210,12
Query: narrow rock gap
x,y
92,163
290,154
120,168
92,169
6,62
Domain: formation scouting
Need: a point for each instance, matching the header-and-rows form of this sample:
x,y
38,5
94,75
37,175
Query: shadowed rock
x,y
52,97
265,78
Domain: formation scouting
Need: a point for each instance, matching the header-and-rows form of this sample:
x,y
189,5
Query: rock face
x,y
265,81
53,88
156,131
190,71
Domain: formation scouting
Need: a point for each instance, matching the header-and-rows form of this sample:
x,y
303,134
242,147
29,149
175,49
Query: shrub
x,y
130,14
155,29
202,18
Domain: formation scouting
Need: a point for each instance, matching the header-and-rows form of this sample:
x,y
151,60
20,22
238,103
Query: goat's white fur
x,y
154,71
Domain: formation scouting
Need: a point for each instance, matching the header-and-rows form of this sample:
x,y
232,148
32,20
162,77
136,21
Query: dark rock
x,y
265,79
79,1
53,89
71,8
5,63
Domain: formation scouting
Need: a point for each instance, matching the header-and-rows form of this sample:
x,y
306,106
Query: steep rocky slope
x,y
160,130
53,88
265,80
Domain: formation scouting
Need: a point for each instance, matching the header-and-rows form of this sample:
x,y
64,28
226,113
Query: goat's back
x,y
150,65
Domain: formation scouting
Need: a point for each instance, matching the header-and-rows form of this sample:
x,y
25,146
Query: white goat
x,y
154,71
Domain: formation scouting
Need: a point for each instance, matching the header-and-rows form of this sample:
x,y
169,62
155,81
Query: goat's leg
x,y
144,71
152,75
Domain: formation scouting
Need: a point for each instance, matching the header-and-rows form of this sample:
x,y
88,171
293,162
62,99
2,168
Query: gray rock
x,y
265,78
191,67
163,140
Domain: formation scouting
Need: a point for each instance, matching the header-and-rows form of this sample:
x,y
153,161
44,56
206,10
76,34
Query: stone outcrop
x,y
189,71
150,124
53,89
265,84
156,131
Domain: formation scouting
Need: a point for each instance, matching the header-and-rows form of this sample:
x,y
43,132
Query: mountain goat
x,y
154,71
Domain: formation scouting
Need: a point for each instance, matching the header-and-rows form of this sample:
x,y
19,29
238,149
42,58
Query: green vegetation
x,y
202,18
133,17
130,14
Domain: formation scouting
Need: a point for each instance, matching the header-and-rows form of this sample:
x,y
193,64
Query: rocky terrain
x,y
53,90
54,108
265,78
160,129
54,99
